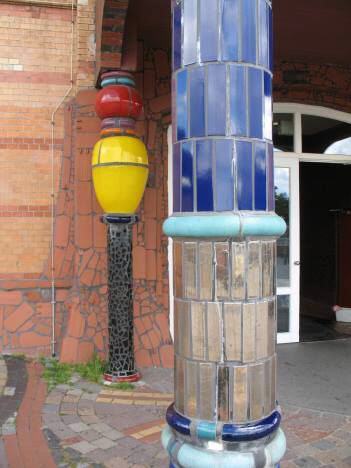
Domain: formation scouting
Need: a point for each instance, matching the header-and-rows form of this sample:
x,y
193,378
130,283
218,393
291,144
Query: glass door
x,y
286,182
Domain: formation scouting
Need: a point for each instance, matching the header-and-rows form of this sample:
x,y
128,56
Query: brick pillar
x,y
224,230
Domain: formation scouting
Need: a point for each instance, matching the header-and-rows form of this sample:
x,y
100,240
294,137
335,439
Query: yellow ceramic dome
x,y
120,171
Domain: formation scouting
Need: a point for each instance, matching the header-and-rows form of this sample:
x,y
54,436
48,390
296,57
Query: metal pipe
x,y
52,195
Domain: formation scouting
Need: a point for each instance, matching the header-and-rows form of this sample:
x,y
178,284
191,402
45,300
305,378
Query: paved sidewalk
x,y
85,425
26,446
122,429
102,426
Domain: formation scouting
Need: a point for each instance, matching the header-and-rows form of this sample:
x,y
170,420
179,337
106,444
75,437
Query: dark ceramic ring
x,y
117,122
230,432
117,74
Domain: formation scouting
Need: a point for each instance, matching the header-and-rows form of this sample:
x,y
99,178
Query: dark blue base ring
x,y
230,432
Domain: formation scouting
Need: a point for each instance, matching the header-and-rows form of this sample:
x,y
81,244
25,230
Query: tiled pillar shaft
x,y
120,300
224,230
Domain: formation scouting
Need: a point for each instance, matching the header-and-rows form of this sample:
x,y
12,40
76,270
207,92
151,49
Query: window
x,y
283,132
311,130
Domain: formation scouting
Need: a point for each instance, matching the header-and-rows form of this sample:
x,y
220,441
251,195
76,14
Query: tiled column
x,y
224,230
120,171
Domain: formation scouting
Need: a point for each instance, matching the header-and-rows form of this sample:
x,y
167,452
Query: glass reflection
x,y
283,313
325,136
283,132
282,208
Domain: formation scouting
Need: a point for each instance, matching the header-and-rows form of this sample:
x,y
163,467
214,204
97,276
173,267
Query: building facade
x,y
53,274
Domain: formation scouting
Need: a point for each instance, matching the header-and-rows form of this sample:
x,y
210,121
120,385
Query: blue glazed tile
x,y
177,36
216,100
224,175
197,102
182,105
208,30
255,86
176,178
206,430
268,123
270,176
190,32
174,107
249,31
204,175
238,121
230,17
187,179
270,31
260,177
264,34
244,174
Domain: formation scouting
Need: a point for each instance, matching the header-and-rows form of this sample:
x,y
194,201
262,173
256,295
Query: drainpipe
x,y
52,195
224,233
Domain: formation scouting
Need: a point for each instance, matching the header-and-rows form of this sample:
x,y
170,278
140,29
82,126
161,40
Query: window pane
x,y
282,208
283,132
283,304
325,136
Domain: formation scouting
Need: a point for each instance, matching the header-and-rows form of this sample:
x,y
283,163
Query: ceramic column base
x,y
185,453
132,376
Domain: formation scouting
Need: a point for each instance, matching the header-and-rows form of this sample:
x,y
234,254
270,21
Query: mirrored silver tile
x,y
240,394
249,332
268,387
223,393
214,331
232,331
253,270
267,268
205,271
261,330
176,320
189,267
273,380
272,330
177,269
238,270
191,370
207,391
179,384
198,330
182,331
256,378
222,270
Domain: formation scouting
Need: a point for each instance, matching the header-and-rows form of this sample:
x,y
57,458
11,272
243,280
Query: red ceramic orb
x,y
118,101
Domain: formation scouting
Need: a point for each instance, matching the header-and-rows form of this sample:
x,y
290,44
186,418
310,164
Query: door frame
x,y
295,158
293,335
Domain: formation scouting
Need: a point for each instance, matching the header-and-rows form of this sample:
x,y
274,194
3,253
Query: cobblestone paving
x,y
3,374
91,426
99,426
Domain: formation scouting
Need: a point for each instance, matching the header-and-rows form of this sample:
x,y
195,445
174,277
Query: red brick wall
x,y
31,83
153,343
313,84
85,323
34,75
113,26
